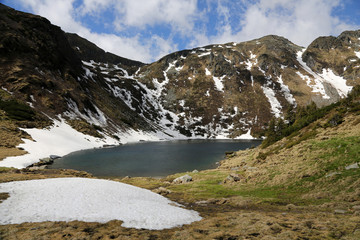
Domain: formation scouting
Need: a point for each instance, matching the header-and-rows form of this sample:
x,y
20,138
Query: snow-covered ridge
x,y
90,200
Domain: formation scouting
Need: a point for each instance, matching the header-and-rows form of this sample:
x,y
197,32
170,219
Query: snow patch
x,y
274,103
246,135
219,83
90,200
93,118
88,73
178,69
316,85
182,103
252,61
338,82
327,75
285,89
123,94
357,54
204,54
252,56
207,72
227,60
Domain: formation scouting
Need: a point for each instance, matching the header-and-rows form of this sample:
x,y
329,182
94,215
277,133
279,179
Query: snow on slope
x,y
274,103
317,85
218,81
327,75
285,89
357,54
62,139
90,200
338,82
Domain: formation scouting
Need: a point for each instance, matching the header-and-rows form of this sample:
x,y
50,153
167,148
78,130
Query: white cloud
x,y
58,12
95,6
180,14
301,21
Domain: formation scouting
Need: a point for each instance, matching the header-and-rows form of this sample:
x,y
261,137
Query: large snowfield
x,y
90,200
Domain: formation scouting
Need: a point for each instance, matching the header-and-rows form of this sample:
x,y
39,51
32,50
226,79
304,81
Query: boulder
x,y
230,154
356,207
352,166
233,177
332,174
183,179
161,191
53,157
109,145
46,161
339,211
37,167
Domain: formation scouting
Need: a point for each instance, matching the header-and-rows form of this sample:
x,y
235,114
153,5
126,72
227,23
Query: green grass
x,y
333,154
338,152
205,185
210,186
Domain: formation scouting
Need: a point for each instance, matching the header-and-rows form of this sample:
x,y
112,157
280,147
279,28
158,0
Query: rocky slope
x,y
214,91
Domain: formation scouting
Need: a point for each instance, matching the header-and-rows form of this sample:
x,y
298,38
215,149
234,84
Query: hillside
x,y
229,90
303,186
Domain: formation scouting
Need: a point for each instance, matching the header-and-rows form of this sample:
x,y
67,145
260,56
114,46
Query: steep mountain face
x,y
232,88
214,91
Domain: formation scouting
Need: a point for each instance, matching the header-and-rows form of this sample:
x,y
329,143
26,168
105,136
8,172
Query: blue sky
x,y
146,30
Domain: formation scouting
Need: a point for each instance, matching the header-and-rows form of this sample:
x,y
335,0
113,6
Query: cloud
x,y
301,21
180,14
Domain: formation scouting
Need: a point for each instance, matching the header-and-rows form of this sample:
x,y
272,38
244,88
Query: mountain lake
x,y
152,159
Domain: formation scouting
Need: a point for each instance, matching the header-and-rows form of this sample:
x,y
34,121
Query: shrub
x,y
17,111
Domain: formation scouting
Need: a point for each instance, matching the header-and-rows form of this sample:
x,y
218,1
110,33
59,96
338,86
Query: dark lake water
x,y
155,159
